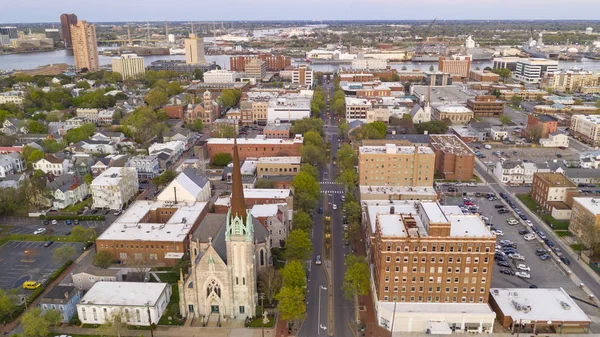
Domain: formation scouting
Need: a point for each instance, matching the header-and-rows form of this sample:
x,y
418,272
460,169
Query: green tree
x,y
116,324
356,278
52,146
174,88
305,125
343,128
504,73
164,178
308,168
198,75
53,316
81,133
432,127
294,275
431,68
83,85
196,125
102,260
230,98
313,155
269,282
348,178
8,302
298,246
156,98
146,124
345,158
504,119
64,253
291,303
222,159
224,131
87,179
315,139
36,127
95,99
264,183
302,221
34,323
516,101
304,182
35,156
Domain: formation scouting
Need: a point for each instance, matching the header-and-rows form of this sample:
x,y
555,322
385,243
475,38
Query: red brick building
x,y
486,106
256,148
545,123
273,62
454,160
175,111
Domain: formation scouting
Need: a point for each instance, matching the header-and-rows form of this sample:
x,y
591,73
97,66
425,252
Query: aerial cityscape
x,y
246,171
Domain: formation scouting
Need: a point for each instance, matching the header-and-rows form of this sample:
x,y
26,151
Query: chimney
x,y
175,193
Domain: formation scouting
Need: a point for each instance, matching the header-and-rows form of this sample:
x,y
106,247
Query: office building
x,y
554,192
277,130
194,49
277,166
129,66
66,21
432,264
532,70
85,47
454,160
273,62
455,113
256,68
483,76
221,76
114,187
393,165
256,147
585,219
586,128
289,108
509,63
303,75
486,106
10,31
570,80
4,40
357,108
458,66
53,34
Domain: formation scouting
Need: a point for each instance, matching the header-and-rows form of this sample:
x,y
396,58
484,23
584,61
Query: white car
x,y
529,237
516,256
40,231
513,222
498,232
523,274
523,267
485,218
54,222
529,223
334,206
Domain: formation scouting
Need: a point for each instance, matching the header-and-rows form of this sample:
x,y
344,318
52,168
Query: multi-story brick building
x,y
540,126
454,160
455,113
486,106
393,165
425,253
273,62
554,192
269,166
483,76
277,130
256,147
458,66
585,219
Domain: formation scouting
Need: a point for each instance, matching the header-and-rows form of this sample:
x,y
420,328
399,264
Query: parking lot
x,y
543,274
21,261
24,225
534,154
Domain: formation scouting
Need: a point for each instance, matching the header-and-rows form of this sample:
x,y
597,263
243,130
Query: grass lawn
x,y
168,277
80,205
562,233
548,219
173,307
257,321
577,247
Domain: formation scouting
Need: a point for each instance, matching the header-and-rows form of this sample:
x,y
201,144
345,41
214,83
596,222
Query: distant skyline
x,y
232,10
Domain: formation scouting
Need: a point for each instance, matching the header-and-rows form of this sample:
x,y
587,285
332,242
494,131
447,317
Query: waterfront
x,y
33,60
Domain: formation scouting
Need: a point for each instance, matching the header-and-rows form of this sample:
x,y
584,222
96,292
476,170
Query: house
x,y
583,176
61,298
276,218
74,122
516,172
189,185
70,194
175,148
11,163
590,159
113,160
140,303
105,117
147,167
419,114
82,164
555,140
88,115
12,126
114,187
86,278
52,164
12,181
113,137
95,146
498,135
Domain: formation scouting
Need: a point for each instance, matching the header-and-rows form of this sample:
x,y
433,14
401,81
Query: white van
x,y
488,146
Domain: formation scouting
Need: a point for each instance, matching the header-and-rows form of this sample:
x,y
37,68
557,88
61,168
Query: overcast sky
x,y
224,10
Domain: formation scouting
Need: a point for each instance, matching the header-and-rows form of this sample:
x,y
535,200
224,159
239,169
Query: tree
x,y
64,253
343,128
198,74
83,85
164,178
302,221
81,133
375,130
345,157
88,179
504,119
348,178
304,182
146,124
516,101
432,127
174,88
224,131
229,98
269,282
35,155
196,125
313,155
294,275
8,302
102,260
356,279
304,125
315,139
298,246
80,234
431,68
222,159
34,324
52,146
291,303
536,133
36,127
116,324
53,316
156,98
504,73
308,168
264,183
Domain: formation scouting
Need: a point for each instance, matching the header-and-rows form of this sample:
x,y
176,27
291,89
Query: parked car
x,y
54,222
540,252
517,256
523,216
94,211
334,207
498,232
39,231
503,211
565,260
48,243
529,237
523,267
318,260
503,263
498,206
544,257
523,231
320,210
31,285
523,274
46,222
117,213
507,271
68,222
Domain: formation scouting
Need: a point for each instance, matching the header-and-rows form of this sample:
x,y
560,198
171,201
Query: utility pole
x,y
149,319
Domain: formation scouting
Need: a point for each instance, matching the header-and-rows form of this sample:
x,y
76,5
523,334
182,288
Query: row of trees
x,y
318,102
144,124
338,102
346,161
230,98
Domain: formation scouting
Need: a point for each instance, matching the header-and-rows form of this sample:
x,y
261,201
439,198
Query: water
x,y
33,60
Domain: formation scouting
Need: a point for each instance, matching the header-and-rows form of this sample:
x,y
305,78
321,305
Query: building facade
x,y
114,187
256,68
454,160
540,126
61,298
554,192
278,166
586,128
85,46
256,147
220,76
585,219
456,114
129,66
394,165
570,80
303,75
532,70
194,49
456,65
66,21
146,166
486,106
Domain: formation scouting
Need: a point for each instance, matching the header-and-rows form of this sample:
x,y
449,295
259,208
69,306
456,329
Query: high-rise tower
x,y
66,21
85,46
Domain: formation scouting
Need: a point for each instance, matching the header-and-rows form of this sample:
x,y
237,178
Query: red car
x,y
468,203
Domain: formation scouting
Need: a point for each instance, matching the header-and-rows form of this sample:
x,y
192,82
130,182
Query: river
x,y
33,60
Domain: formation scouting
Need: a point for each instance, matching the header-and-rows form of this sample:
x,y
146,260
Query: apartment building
x,y
570,80
273,62
356,77
432,263
194,49
277,166
393,165
15,97
458,66
66,20
146,166
221,76
585,219
303,75
554,192
357,108
256,68
114,187
85,46
454,160
455,113
256,147
532,70
129,66
89,115
586,128
486,106
517,172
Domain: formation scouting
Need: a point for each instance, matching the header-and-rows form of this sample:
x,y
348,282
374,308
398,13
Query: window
x,y
388,259
127,317
387,268
138,315
397,259
95,314
397,269
386,288
237,280
84,314
387,279
406,259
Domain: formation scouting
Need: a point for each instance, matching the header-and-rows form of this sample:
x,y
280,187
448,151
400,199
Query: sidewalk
x,y
177,331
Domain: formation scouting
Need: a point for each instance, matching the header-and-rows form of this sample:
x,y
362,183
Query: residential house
x,y
69,194
590,159
61,298
88,115
12,126
185,136
95,146
11,163
420,114
174,150
556,139
516,172
147,167
52,164
113,160
276,218
188,186
82,164
86,278
583,176
74,122
498,135
114,187
105,117
113,137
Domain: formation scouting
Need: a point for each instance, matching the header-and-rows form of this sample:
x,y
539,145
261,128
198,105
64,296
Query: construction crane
x,y
420,45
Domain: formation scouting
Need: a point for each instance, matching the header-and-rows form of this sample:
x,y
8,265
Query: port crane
x,y
420,45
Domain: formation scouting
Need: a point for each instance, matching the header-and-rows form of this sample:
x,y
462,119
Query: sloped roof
x,y
415,110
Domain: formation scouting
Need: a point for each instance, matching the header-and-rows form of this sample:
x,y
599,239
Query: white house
x,y
114,187
132,300
421,115
113,137
189,185
146,166
74,122
555,140
498,135
51,164
516,172
69,194
11,126
590,159
174,148
11,163
88,115
96,146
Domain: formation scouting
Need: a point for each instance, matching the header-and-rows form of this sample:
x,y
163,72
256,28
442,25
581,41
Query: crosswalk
x,y
328,183
332,192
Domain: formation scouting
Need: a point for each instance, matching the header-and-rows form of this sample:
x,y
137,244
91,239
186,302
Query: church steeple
x,y
238,204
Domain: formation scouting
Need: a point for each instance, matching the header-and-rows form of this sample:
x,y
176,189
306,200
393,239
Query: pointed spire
x,y
238,204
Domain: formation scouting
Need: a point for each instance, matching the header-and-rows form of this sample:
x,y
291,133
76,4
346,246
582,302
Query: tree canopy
x,y
230,98
432,127
222,159
298,246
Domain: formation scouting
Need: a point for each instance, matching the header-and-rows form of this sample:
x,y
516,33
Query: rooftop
x,y
124,293
259,141
452,108
394,149
405,190
265,210
112,176
249,166
279,160
459,308
555,179
452,94
539,304
595,119
353,101
590,204
278,127
450,144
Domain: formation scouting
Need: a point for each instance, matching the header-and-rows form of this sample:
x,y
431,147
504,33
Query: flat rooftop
x,y
595,119
111,177
124,293
436,308
450,144
452,108
128,225
353,101
279,160
394,149
257,141
591,204
555,179
539,304
406,190
249,166
452,94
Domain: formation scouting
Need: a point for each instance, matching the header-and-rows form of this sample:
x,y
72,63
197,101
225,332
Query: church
x,y
226,252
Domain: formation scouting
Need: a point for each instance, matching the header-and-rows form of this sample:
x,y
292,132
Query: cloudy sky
x,y
223,10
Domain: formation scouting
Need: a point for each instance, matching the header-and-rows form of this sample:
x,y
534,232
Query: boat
x,y
177,51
